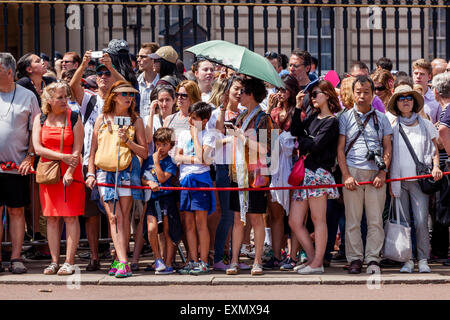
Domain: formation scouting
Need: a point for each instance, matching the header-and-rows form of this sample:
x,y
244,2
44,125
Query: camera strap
x,y
361,127
409,146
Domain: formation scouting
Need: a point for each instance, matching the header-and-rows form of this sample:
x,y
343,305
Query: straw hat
x,y
125,88
405,90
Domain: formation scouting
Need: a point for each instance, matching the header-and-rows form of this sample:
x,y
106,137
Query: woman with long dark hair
x,y
317,136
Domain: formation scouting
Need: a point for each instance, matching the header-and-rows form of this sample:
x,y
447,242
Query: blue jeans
x,y
227,217
335,213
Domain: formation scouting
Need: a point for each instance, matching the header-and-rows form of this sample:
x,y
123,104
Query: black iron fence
x,y
322,27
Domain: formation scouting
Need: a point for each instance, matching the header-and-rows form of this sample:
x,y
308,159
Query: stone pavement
x,y
334,275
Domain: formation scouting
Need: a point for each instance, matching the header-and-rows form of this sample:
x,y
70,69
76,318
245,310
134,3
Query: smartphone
x,y
96,54
122,121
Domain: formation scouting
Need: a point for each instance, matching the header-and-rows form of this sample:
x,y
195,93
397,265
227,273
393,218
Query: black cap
x,y
44,57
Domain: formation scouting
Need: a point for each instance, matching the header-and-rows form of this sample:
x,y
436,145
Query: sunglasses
x,y
282,90
271,55
296,65
380,88
314,94
408,98
66,61
182,95
106,73
124,94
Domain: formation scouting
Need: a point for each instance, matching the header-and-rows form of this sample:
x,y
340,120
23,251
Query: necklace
x,y
3,117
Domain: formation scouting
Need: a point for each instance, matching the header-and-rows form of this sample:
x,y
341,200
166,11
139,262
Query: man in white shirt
x,y
18,108
149,77
422,73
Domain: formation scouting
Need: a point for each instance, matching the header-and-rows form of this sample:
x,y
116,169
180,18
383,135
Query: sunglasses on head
x,y
182,95
106,73
314,94
271,55
124,94
402,98
380,88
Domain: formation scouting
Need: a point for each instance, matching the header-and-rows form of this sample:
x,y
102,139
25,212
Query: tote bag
x,y
397,241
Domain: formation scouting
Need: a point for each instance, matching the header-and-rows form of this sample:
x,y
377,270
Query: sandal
x,y
257,270
51,269
93,265
17,267
66,270
233,269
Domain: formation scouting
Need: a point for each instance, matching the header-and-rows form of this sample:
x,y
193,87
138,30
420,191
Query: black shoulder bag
x,y
428,185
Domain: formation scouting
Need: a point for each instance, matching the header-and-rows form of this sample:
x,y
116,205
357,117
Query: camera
x,y
376,156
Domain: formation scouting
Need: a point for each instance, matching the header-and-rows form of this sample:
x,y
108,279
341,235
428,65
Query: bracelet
x,y
90,175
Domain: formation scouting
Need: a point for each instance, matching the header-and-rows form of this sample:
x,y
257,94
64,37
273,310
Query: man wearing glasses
x,y
71,60
299,67
149,75
91,107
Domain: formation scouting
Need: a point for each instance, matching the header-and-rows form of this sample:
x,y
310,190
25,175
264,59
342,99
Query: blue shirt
x,y
356,157
148,172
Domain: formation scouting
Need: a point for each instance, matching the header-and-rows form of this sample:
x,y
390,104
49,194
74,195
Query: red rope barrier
x,y
13,167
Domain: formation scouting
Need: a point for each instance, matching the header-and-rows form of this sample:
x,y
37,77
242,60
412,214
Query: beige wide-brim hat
x,y
125,88
405,90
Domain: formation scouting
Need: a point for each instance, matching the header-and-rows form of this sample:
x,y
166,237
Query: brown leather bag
x,y
50,172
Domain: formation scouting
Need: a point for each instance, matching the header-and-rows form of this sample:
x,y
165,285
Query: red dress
x,y
52,195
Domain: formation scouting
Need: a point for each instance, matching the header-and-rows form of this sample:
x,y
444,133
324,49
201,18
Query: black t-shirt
x,y
318,137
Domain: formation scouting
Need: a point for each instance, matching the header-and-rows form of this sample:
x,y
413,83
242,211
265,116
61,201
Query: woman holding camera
x,y
317,136
58,135
406,104
119,123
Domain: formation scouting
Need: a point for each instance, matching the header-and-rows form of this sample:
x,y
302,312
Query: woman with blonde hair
x,y
346,93
217,92
383,81
58,135
120,102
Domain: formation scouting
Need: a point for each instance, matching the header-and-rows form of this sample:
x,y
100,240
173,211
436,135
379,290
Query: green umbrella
x,y
238,58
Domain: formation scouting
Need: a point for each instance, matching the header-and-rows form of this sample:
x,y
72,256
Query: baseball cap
x,y
167,53
116,46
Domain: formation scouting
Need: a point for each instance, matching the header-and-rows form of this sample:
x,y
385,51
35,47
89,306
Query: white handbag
x,y
397,241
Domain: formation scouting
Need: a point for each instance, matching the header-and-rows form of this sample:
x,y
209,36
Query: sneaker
x,y
273,263
309,270
408,267
122,271
257,270
267,253
159,265
288,265
220,266
233,269
200,268
299,266
187,268
244,266
128,268
303,257
167,270
113,269
247,251
423,266
373,267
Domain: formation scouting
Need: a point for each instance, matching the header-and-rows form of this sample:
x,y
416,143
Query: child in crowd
x,y
157,171
193,153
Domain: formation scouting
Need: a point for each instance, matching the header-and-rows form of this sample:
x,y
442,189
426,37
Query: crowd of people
x,y
93,123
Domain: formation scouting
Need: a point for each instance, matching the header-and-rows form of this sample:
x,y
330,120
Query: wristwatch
x,y
90,175
31,154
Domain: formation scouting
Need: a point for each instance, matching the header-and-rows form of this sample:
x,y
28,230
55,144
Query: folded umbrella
x,y
238,58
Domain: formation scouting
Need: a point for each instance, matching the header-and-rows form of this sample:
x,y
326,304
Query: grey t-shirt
x,y
16,123
356,157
